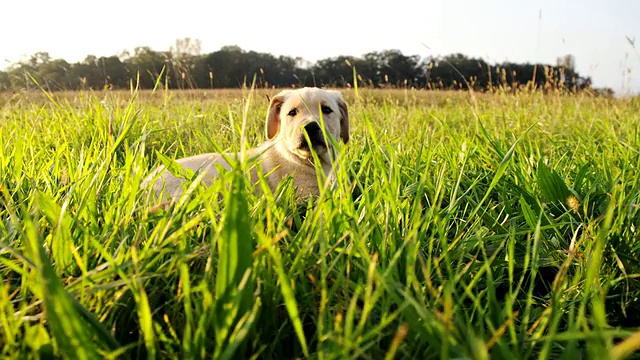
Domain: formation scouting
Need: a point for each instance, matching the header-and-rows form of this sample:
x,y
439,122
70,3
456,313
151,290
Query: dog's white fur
x,y
284,153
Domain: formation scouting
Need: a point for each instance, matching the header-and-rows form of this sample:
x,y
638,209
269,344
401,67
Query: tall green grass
x,y
485,226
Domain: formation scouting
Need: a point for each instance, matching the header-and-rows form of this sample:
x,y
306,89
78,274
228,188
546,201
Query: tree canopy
x,y
184,67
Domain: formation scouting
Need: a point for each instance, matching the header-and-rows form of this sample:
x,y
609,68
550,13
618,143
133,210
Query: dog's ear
x,y
344,118
273,114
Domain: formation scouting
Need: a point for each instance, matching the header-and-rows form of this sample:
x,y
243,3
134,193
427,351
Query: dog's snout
x,y
314,132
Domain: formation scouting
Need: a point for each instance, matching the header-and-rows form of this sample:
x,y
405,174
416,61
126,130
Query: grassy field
x,y
465,226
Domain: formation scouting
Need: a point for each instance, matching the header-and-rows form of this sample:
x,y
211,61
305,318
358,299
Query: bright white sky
x,y
594,31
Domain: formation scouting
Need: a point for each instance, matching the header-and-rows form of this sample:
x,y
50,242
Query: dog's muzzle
x,y
316,138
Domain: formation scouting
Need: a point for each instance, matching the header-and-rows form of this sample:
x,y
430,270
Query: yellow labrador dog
x,y
291,115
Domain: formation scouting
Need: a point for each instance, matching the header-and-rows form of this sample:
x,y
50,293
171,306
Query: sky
x,y
604,35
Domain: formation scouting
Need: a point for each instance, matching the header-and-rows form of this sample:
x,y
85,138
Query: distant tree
x,y
336,71
457,71
544,77
5,84
224,67
39,58
568,62
183,66
233,67
148,63
54,74
113,72
513,75
99,73
398,69
51,74
84,74
20,74
186,47
185,57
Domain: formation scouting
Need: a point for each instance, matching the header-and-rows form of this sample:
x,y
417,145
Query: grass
x,y
488,226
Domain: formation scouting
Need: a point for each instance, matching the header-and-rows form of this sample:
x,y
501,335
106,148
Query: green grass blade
x,y
74,330
235,284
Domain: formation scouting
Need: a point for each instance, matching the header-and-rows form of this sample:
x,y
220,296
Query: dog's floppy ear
x,y
344,118
273,114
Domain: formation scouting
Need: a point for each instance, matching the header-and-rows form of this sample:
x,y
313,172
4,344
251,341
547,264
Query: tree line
x,y
184,67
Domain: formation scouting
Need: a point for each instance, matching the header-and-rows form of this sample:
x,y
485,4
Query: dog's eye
x,y
293,112
326,110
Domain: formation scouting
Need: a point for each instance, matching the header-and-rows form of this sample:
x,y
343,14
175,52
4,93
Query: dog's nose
x,y
312,128
314,132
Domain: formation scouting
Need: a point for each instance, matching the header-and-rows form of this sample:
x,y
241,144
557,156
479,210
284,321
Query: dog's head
x,y
297,114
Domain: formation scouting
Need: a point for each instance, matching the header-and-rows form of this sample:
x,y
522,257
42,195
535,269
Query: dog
x,y
298,122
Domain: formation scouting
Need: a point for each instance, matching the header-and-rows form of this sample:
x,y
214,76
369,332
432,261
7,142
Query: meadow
x,y
462,226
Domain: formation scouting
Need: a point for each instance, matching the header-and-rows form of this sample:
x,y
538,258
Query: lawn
x,y
462,225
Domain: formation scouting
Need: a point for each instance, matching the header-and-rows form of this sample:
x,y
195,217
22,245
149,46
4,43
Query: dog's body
x,y
292,114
